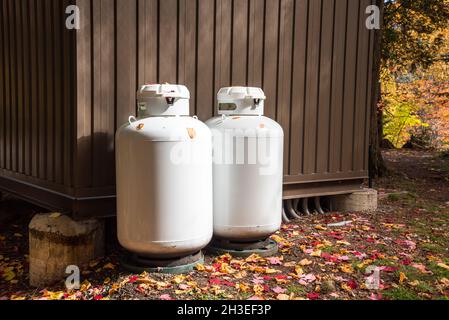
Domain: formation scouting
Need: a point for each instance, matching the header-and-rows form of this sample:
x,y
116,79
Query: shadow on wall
x,y
95,162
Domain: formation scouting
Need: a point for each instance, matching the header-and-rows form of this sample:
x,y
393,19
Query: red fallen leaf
x,y
316,243
267,278
133,279
313,296
406,262
335,235
98,297
183,287
279,290
390,269
326,255
376,297
374,255
225,259
406,243
140,289
370,240
274,261
236,266
217,267
353,284
215,281
281,277
329,257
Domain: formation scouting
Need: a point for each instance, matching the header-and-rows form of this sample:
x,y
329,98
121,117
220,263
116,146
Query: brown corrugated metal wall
x,y
36,93
313,58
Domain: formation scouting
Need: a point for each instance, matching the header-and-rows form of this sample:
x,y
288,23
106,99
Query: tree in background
x,y
413,37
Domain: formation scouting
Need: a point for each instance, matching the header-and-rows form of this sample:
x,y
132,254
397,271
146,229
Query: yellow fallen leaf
x,y
200,267
253,258
344,243
283,297
258,289
86,285
445,282
365,263
347,268
346,287
402,277
299,271
290,264
9,275
162,285
444,266
305,262
179,279
320,227
414,283
242,287
55,215
109,266
107,281
316,253
240,275
2,238
271,271
17,298
93,264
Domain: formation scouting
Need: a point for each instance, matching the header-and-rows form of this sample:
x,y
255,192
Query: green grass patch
x,y
394,197
297,290
401,293
438,271
433,248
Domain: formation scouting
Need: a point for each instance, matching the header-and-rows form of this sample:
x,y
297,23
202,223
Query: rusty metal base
x,y
263,248
138,264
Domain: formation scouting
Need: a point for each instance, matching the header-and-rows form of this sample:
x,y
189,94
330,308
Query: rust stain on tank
x,y
192,133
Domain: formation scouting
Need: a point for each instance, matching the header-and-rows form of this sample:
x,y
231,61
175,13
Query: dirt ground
x,y
406,241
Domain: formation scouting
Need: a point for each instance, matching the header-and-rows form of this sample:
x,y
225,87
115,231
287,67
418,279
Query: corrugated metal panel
x,y
310,56
36,92
313,58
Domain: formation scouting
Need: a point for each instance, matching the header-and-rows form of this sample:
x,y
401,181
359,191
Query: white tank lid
x,y
163,91
163,100
245,101
240,93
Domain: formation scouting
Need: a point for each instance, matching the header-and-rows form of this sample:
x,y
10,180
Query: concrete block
x,y
360,201
57,241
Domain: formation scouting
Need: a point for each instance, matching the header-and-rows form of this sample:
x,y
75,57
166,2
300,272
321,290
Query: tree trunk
x,y
376,166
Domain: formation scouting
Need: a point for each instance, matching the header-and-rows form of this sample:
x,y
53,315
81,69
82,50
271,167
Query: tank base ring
x,y
263,248
138,264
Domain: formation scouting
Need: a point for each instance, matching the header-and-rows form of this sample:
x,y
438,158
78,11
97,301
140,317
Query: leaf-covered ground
x,y
322,257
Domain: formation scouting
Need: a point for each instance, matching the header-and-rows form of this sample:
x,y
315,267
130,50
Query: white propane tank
x,y
164,177
248,167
